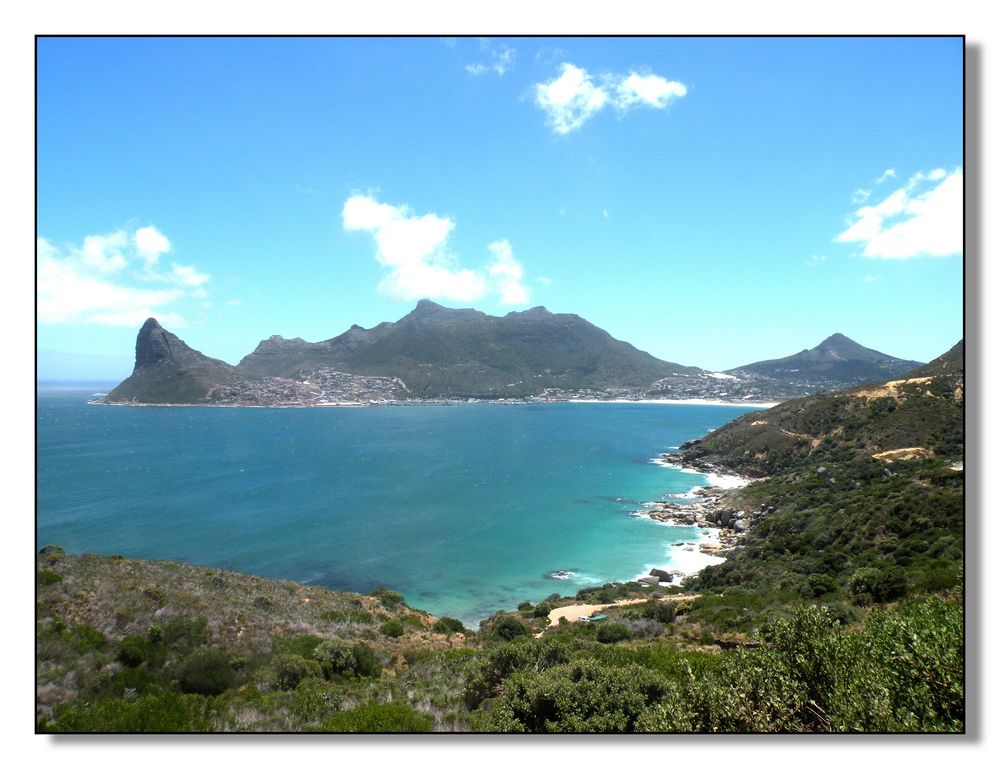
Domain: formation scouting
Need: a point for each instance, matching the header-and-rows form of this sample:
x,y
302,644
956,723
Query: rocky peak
x,y
154,344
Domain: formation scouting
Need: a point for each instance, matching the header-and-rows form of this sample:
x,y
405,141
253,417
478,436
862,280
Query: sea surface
x,y
464,509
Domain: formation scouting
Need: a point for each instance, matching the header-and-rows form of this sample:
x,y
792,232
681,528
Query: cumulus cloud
x,y
150,244
574,96
922,218
105,280
815,259
507,274
415,250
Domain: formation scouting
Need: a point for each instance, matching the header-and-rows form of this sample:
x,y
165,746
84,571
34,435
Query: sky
x,y
713,201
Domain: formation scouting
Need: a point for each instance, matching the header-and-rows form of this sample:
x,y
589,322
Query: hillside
x,y
862,497
441,352
923,409
433,352
834,363
168,371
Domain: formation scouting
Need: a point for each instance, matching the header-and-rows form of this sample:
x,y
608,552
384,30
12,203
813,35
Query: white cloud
x,y
545,281
507,275
573,98
889,173
860,196
415,249
185,275
922,218
869,279
651,90
604,213
104,253
100,282
815,259
150,243
501,60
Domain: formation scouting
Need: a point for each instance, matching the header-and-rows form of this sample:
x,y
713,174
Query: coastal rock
x,y
664,576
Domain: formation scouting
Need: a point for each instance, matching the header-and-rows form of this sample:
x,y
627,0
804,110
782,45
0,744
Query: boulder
x,y
663,576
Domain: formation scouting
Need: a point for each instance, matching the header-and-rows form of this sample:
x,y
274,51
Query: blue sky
x,y
712,201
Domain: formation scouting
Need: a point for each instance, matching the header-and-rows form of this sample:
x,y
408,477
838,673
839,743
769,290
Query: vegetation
x,y
841,611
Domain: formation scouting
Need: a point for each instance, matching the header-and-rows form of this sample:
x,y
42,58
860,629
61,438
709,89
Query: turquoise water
x,y
463,509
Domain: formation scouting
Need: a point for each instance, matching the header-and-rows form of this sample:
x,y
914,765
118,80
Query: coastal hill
x,y
436,352
456,353
433,352
168,371
922,409
834,363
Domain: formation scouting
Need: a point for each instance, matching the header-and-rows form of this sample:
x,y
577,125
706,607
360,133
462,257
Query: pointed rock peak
x,y
427,307
154,344
355,327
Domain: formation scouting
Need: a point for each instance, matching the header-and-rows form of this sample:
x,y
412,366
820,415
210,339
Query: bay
x,y
464,509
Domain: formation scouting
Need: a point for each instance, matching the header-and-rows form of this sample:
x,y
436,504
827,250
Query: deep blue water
x,y
463,509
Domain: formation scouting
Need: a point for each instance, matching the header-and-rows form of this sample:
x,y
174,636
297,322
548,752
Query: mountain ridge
x,y
437,352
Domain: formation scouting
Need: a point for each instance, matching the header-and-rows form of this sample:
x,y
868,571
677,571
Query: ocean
x,y
464,509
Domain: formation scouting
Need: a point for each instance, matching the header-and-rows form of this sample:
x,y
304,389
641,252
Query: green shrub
x,y
376,717
525,606
47,578
85,637
290,669
134,650
186,632
509,628
661,611
542,610
303,645
163,712
877,585
388,598
392,628
612,632
448,625
582,696
206,672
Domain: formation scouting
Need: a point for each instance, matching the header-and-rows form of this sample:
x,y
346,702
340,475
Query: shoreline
x,y
456,402
720,526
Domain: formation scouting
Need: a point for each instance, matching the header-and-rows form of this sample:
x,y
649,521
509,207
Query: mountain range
x,y
436,352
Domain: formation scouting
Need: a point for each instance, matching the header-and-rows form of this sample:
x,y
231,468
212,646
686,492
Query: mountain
x,y
834,363
168,371
921,413
433,352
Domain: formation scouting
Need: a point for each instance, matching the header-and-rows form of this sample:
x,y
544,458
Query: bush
x,y
388,598
206,672
344,659
133,650
290,669
610,633
376,717
874,585
392,628
448,625
163,712
84,638
509,628
661,611
46,578
582,696
302,645
185,632
542,610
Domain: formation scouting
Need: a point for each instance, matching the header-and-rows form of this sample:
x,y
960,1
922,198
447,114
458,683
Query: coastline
x,y
448,402
720,526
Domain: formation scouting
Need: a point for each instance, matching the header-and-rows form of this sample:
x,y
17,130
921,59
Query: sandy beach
x,y
575,611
